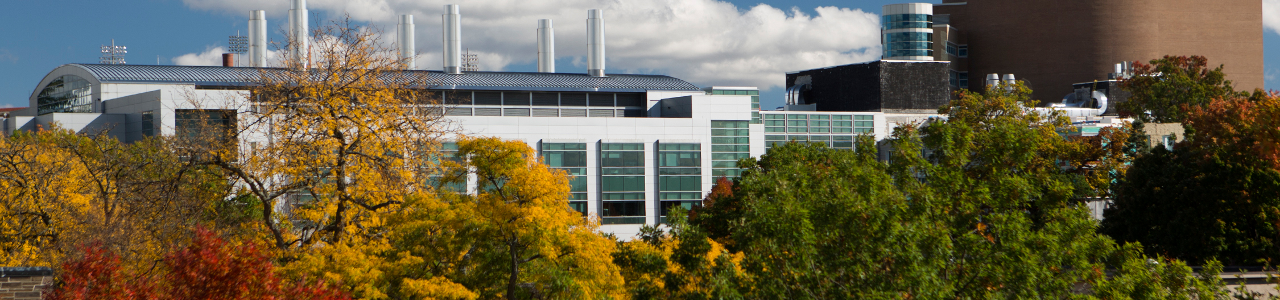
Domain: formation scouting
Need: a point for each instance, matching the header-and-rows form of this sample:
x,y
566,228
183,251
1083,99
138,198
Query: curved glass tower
x,y
907,31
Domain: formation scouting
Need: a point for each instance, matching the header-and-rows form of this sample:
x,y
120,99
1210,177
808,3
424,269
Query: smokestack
x,y
595,43
452,40
228,60
298,31
258,38
546,47
406,42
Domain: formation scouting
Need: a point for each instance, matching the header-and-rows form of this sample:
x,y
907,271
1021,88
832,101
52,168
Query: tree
x,y
1215,195
1165,89
980,204
209,267
64,189
346,135
680,262
516,237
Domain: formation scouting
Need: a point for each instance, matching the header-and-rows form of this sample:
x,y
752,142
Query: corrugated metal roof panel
x,y
226,76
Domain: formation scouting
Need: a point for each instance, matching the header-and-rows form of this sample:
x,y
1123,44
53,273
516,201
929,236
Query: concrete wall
x,y
1052,44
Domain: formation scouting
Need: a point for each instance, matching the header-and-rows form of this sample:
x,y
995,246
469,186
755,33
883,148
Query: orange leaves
x,y
1247,129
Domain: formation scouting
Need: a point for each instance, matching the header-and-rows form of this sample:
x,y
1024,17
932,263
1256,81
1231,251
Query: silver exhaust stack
x,y
298,32
595,43
546,47
405,32
452,40
258,38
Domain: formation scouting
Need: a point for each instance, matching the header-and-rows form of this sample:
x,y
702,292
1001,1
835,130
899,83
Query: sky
x,y
705,42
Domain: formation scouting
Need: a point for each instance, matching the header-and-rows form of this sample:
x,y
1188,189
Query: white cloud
x,y
212,56
707,42
1271,15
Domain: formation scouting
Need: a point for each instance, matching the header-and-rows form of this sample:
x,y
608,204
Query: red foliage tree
x,y
210,268
98,276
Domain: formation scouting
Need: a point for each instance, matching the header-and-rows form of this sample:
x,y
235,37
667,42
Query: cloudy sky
x,y
706,42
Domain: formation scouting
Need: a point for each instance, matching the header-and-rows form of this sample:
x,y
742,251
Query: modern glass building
x,y
634,146
907,31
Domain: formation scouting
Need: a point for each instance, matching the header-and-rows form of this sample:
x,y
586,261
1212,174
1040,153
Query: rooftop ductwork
x,y
452,40
546,47
405,39
595,43
258,38
298,32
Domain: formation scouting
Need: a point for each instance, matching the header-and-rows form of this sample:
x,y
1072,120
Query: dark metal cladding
x,y
233,77
889,86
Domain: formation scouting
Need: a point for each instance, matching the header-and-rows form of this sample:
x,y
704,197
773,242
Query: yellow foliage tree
x,y
328,147
64,190
515,237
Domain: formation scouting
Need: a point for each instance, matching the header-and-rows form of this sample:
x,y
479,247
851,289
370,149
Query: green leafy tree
x,y
981,204
1215,195
1165,89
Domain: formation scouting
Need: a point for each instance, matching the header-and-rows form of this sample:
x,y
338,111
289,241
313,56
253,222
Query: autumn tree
x,y
679,261
1163,90
333,138
64,189
1215,195
208,267
515,238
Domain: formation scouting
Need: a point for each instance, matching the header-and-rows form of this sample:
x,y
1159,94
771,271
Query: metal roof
x,y
243,76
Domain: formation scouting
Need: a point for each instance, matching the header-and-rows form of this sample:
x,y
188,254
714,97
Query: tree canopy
x,y
1166,88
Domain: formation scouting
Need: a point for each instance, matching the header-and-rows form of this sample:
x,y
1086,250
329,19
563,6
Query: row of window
x,y
543,98
904,53
959,80
730,141
65,94
911,36
957,50
906,21
544,112
832,141
806,123
622,180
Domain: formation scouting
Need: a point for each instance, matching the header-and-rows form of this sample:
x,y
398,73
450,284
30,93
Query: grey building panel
x,y
232,77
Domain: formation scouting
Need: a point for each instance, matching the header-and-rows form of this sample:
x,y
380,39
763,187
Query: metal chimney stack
x,y
406,42
298,32
258,38
595,43
452,40
546,47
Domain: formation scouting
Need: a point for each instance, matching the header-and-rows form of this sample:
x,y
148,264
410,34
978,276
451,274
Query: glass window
x,y
963,80
798,117
66,94
148,123
774,117
726,152
571,158
962,50
196,123
622,183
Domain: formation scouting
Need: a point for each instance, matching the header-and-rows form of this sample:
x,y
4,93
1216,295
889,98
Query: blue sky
x,y
39,36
